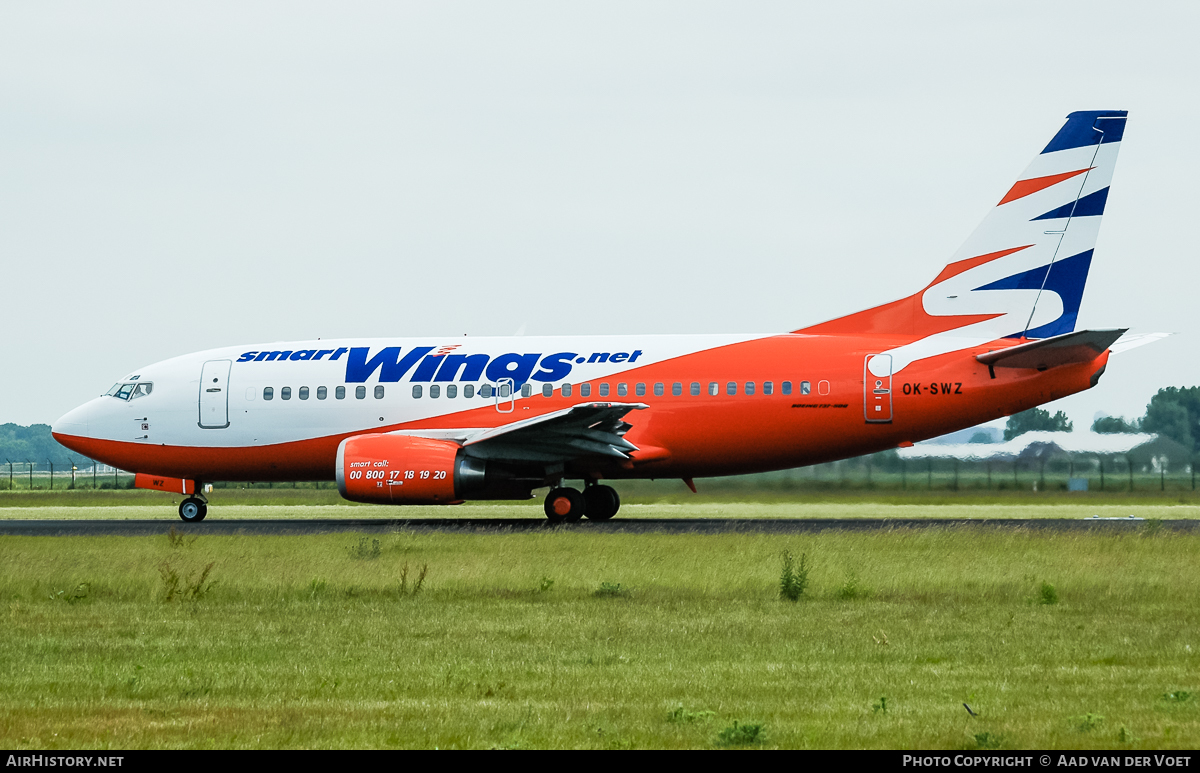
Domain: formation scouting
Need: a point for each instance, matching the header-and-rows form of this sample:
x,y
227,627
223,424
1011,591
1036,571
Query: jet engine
x,y
397,469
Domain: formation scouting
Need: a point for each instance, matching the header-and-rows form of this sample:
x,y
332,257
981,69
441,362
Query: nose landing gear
x,y
194,508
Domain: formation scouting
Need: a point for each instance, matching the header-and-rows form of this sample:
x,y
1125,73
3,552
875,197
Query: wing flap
x,y
589,429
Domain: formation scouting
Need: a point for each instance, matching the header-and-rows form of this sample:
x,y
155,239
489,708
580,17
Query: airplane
x,y
445,420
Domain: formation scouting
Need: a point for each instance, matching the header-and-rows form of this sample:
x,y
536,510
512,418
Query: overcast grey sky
x,y
175,177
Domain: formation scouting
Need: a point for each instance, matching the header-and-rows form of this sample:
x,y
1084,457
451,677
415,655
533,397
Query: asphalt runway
x,y
133,528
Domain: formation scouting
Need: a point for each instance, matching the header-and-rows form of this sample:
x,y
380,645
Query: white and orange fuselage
x,y
715,405
443,420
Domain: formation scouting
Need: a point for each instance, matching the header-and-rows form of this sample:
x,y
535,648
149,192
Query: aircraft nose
x,y
72,424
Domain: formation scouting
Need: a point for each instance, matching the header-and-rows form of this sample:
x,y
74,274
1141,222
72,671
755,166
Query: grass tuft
x,y
794,577
1177,696
1047,594
741,734
611,590
180,587
74,596
1089,722
177,540
417,586
853,588
364,551
682,716
987,741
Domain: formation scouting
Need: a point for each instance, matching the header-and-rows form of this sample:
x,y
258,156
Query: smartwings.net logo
x,y
430,365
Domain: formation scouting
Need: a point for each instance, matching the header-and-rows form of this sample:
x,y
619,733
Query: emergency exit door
x,y
214,394
877,388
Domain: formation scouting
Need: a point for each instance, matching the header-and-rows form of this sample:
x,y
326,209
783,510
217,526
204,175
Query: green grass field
x,y
563,639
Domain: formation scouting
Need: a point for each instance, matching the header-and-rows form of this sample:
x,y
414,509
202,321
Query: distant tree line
x,y
33,443
1174,413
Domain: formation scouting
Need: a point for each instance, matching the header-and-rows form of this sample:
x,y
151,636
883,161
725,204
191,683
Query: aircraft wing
x,y
588,429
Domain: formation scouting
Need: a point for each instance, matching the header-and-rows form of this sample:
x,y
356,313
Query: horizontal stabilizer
x,y
1065,349
1128,342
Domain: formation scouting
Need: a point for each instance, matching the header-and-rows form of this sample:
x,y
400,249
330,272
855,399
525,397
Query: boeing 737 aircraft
x,y
443,420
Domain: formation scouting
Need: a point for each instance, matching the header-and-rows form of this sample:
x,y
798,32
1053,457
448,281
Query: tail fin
x,y
1022,272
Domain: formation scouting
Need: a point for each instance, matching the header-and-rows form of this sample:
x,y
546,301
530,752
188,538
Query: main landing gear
x,y
598,503
193,509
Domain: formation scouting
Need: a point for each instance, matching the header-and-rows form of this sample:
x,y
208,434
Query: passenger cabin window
x,y
303,393
640,390
768,387
677,389
469,390
340,393
749,387
566,390
805,388
547,390
417,391
435,391
485,390
585,390
379,392
451,391
695,388
285,393
658,390
526,390
268,393
622,390
322,393
786,387
360,393
714,388
731,388
604,390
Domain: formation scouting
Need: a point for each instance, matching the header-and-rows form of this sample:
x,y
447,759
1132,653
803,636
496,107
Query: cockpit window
x,y
131,391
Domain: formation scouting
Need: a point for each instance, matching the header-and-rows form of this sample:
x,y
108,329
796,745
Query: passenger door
x,y
214,394
877,389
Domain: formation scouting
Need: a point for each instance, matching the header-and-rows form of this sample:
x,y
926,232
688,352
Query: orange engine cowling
x,y
396,469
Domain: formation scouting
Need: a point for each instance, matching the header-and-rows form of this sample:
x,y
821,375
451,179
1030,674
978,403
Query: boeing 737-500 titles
x,y
444,420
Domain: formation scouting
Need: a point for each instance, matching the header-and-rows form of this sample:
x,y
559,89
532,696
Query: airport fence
x,y
883,472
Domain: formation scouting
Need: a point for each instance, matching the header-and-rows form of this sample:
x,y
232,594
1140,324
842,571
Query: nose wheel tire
x,y
564,505
600,502
193,510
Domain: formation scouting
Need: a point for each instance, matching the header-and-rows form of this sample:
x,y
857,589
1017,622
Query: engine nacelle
x,y
397,469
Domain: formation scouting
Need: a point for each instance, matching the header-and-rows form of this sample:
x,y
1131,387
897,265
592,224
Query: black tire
x,y
600,502
564,505
193,510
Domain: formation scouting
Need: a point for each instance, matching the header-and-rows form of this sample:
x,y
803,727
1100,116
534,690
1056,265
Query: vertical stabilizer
x,y
1021,274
